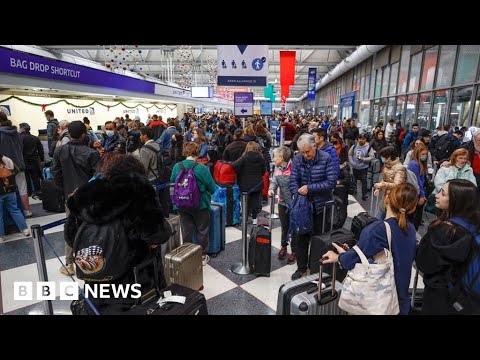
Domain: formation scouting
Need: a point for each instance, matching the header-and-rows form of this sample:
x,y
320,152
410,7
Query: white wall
x,y
33,115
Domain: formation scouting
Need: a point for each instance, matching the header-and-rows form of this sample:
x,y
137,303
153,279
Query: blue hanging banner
x,y
312,79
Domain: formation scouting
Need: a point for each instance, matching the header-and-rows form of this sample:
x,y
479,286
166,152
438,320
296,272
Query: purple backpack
x,y
186,192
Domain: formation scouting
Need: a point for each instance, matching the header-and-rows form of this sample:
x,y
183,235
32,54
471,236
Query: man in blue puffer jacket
x,y
314,174
320,136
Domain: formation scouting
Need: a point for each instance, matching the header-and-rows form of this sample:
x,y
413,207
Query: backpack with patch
x,y
7,181
164,170
103,252
186,193
443,147
471,278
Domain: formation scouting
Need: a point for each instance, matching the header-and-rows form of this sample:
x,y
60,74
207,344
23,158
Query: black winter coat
x,y
442,257
130,200
234,150
32,150
250,169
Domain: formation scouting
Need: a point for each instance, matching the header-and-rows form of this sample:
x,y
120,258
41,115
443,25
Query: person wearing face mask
x,y
394,174
445,252
112,141
473,148
408,157
342,154
418,165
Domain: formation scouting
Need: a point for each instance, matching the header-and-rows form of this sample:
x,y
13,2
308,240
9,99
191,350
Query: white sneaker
x,y
254,221
26,232
28,213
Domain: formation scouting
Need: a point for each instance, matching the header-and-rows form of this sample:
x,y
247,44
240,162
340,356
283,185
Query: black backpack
x,y
103,252
164,166
444,147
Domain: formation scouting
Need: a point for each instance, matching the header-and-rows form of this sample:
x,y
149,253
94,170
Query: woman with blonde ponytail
x,y
399,203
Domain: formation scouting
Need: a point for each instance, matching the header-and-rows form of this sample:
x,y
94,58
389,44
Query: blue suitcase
x,y
229,196
217,236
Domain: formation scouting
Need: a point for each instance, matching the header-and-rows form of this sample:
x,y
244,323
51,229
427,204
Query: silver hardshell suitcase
x,y
304,297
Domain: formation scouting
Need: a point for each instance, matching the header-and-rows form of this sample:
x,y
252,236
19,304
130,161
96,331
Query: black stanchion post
x,y
243,268
36,231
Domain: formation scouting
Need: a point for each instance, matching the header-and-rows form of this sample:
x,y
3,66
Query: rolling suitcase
x,y
217,234
340,196
229,196
52,197
175,239
195,303
305,296
183,266
260,250
318,241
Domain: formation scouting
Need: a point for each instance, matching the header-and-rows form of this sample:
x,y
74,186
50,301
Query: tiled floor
x,y
226,292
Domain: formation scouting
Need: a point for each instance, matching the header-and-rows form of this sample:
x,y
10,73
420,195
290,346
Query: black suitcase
x,y
360,222
195,303
52,197
260,250
340,196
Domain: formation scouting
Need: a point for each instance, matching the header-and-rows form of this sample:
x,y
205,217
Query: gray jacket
x,y
149,159
281,179
52,124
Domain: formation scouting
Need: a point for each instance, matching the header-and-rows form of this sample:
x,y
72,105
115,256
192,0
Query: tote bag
x,y
369,289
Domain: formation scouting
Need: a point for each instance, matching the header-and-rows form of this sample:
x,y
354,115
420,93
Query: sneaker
x,y
292,259
69,271
2,239
299,274
282,253
27,213
205,259
26,232
254,221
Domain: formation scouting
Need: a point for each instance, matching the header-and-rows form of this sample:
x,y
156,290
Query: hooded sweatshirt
x,y
11,145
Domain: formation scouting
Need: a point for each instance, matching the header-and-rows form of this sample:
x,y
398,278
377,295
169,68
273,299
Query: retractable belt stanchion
x,y
282,136
243,268
36,231
272,214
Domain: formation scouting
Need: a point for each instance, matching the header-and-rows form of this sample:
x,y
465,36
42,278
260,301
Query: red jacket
x,y
157,123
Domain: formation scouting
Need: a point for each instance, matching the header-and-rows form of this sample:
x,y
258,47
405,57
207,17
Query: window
x,y
467,64
378,83
386,75
476,113
445,65
415,72
372,84
404,64
367,87
410,111
400,109
393,79
383,110
461,102
429,64
439,108
362,90
390,108
376,109
423,116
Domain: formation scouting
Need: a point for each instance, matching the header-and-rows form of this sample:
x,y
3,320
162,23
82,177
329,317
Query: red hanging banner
x,y
287,71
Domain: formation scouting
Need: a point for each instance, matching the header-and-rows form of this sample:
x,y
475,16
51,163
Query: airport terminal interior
x,y
406,92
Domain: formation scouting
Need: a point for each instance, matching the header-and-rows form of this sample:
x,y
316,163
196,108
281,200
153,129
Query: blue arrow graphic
x,y
242,48
243,111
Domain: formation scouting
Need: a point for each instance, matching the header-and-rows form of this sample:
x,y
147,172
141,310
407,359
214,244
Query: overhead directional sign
x,y
243,104
265,108
242,65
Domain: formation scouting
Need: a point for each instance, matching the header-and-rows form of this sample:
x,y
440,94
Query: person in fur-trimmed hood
x,y
116,215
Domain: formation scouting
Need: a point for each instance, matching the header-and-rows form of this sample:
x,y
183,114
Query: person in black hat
x,y
33,155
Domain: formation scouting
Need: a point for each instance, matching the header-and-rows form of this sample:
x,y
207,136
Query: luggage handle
x,y
330,203
377,203
334,278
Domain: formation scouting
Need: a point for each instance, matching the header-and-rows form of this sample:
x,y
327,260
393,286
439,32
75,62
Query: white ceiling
x,y
152,61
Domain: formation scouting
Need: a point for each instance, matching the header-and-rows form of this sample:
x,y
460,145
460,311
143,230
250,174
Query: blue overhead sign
x,y
347,99
265,108
312,78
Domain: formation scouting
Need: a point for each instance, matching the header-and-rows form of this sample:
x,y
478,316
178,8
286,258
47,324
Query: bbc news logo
x,y
46,290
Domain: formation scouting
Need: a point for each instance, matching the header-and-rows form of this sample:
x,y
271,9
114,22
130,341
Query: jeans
x,y
362,176
285,224
10,201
